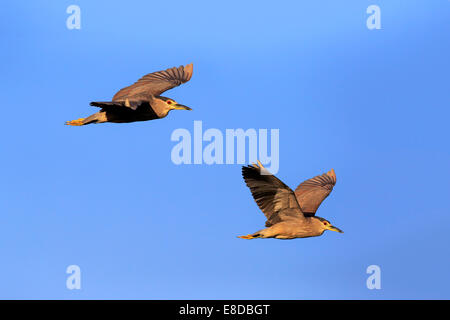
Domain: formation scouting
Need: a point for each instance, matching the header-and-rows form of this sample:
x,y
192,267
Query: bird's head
x,y
171,104
324,224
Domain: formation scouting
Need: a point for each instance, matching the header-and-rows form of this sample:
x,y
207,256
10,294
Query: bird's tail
x,y
251,236
78,122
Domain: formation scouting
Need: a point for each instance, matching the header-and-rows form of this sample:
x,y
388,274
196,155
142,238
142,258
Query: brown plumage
x,y
289,214
141,101
311,193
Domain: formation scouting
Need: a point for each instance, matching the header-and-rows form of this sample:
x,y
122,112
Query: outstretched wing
x,y
312,192
155,83
275,199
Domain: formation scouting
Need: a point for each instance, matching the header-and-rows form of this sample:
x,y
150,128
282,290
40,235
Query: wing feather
x,y
312,192
154,84
275,199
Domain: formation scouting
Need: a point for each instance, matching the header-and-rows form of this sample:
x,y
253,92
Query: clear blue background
x,y
372,104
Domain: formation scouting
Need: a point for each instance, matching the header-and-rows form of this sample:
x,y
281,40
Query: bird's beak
x,y
181,107
333,228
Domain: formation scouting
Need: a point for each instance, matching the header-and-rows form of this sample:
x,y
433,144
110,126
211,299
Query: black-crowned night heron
x,y
289,214
141,101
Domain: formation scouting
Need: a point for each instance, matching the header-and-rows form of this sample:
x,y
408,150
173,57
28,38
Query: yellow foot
x,y
248,237
78,122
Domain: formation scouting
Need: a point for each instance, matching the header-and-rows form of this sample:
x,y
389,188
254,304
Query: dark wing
x,y
275,199
155,83
312,192
121,105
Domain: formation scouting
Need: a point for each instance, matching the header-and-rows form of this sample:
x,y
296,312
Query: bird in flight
x,y
142,100
290,214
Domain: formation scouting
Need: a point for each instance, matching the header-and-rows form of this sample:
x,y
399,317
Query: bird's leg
x,y
260,165
250,236
78,122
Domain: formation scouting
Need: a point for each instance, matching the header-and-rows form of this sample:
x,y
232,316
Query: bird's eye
x,y
325,223
169,102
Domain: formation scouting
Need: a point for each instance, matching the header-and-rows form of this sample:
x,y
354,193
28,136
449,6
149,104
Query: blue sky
x,y
372,104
